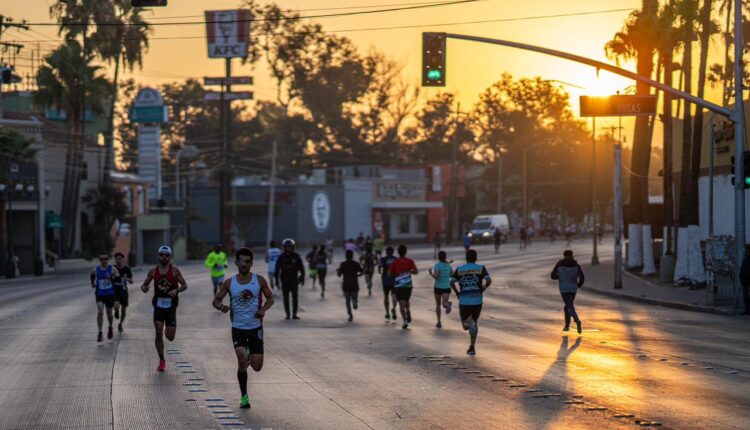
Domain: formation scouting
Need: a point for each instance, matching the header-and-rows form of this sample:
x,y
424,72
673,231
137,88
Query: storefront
x,y
400,209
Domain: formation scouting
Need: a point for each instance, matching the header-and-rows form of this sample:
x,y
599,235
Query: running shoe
x,y
405,325
578,323
296,317
408,316
287,317
473,328
355,305
322,295
162,366
245,402
99,337
117,314
369,291
439,325
119,327
448,308
393,314
471,351
387,316
110,333
566,328
350,319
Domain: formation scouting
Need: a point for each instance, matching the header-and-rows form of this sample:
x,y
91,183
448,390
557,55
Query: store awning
x,y
407,205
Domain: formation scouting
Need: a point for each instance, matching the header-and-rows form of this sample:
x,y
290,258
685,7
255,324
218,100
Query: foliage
x,y
15,145
108,205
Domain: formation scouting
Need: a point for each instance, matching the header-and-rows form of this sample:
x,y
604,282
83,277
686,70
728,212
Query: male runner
x,y
121,288
322,259
442,273
350,270
290,274
368,260
387,279
271,256
102,278
168,283
378,244
217,262
401,269
570,277
246,291
472,279
497,238
312,265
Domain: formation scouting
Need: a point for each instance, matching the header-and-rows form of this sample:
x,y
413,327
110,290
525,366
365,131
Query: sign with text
x,y
619,105
228,33
214,96
233,80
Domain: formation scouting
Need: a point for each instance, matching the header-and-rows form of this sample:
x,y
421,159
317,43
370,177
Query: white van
x,y
483,227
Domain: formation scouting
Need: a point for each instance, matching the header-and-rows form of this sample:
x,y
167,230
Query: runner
x,y
121,288
290,274
271,256
329,246
350,245
388,291
467,242
368,260
570,278
401,269
102,278
497,238
437,242
322,260
472,279
217,262
311,259
442,274
168,283
350,270
378,245
246,291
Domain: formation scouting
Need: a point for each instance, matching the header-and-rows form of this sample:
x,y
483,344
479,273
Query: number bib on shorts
x,y
163,302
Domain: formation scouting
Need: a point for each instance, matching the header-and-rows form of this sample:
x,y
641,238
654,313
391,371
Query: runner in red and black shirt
x,y
401,269
168,283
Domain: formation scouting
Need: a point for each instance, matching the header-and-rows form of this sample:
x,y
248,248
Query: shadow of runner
x,y
555,380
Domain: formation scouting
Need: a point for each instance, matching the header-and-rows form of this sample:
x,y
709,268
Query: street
x,y
635,364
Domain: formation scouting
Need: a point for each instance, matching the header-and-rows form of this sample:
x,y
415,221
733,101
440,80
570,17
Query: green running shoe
x,y
245,402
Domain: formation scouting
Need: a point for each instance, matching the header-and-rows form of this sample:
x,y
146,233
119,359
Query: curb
x,y
666,304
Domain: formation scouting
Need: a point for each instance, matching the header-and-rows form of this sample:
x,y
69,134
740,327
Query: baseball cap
x,y
165,250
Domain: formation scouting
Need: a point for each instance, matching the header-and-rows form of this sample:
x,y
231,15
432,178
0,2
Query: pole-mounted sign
x,y
228,33
618,105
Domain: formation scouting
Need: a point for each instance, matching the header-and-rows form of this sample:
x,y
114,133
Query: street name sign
x,y
233,80
214,96
228,33
618,105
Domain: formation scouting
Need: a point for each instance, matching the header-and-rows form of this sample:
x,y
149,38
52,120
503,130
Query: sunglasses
x,y
104,259
165,255
247,261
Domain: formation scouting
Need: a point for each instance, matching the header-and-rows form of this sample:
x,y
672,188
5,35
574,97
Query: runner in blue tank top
x,y
472,280
102,281
249,298
442,272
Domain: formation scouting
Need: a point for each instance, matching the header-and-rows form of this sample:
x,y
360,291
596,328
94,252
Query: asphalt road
x,y
634,365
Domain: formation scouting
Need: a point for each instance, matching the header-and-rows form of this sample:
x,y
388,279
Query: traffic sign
x,y
618,105
213,96
233,80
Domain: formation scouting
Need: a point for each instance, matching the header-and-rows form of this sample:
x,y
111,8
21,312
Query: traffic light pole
x,y
594,229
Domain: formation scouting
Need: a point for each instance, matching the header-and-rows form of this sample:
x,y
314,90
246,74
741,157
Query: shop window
x,y
403,224
421,223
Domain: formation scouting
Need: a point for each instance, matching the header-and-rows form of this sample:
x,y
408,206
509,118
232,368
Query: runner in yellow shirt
x,y
217,262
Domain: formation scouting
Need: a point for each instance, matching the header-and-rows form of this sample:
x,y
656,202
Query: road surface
x,y
635,364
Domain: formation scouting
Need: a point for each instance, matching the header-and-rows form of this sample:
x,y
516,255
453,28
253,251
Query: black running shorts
x,y
122,296
467,311
403,293
250,339
109,301
440,291
167,316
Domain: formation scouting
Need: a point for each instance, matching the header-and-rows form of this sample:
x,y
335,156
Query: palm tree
x,y
64,81
687,13
637,41
15,145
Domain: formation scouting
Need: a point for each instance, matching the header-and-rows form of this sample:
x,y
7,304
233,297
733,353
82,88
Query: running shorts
x,y
167,316
250,339
467,311
403,293
122,296
109,301
439,291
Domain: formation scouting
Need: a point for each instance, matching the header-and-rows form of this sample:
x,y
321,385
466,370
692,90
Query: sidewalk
x,y
599,280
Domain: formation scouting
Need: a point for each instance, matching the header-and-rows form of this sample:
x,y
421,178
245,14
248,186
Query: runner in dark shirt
x,y
350,271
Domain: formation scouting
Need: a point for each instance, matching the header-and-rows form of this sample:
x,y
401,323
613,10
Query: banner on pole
x,y
228,33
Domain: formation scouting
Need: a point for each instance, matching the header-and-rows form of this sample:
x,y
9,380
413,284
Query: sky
x,y
581,27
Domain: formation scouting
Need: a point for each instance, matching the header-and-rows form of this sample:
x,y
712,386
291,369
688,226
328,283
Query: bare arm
x,y
115,272
180,280
266,291
219,297
147,282
93,278
432,273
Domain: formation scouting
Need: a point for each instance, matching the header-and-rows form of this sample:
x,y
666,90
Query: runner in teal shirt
x,y
442,273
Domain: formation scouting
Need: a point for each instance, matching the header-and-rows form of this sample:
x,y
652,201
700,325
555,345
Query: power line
x,y
282,18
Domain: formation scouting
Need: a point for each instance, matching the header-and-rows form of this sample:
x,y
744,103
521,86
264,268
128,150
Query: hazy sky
x,y
471,66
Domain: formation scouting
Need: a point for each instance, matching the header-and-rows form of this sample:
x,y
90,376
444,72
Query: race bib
x,y
403,280
321,266
105,284
164,302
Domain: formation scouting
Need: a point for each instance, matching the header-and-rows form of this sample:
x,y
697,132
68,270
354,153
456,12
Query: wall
x,y
358,208
723,207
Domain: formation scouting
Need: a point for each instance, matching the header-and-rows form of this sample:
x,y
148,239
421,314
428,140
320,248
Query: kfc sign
x,y
228,33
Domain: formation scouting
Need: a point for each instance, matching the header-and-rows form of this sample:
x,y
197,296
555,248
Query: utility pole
x,y
738,116
224,175
272,195
453,228
617,203
524,187
499,205
594,229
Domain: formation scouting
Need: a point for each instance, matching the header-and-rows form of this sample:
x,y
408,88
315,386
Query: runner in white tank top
x,y
250,297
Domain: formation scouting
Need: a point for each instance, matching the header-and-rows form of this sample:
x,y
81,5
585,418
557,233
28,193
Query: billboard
x,y
228,33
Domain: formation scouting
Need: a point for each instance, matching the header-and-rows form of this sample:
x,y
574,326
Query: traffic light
x,y
745,170
149,3
6,74
433,59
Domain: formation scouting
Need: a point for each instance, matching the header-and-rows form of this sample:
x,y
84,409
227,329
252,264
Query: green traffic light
x,y
434,74
747,181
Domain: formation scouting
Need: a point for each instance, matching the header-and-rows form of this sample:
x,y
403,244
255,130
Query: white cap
x,y
165,250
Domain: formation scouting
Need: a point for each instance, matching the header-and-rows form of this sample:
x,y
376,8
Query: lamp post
x,y
10,268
